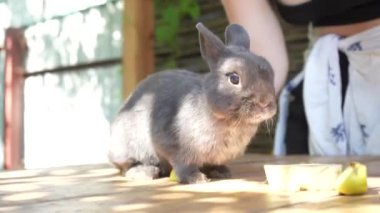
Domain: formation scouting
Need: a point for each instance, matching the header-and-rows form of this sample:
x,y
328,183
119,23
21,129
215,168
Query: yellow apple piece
x,y
173,176
353,180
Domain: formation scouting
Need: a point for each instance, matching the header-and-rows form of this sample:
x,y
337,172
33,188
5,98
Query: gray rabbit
x,y
195,123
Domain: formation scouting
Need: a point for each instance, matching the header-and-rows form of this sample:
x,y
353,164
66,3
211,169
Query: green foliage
x,y
169,14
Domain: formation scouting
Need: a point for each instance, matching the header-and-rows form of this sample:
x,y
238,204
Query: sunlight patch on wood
x,y
9,209
59,182
19,187
97,173
217,200
131,207
24,196
115,179
104,171
223,186
63,172
19,174
122,189
172,196
310,196
373,181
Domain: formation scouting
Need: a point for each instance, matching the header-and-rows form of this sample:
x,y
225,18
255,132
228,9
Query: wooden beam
x,y
2,64
15,49
138,47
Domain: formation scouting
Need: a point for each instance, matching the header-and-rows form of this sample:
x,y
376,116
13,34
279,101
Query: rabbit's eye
x,y
234,78
263,67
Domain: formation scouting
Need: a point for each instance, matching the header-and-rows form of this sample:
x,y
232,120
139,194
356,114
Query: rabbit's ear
x,y
211,46
236,35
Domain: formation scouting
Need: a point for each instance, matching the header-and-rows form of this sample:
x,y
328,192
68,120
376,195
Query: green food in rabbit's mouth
x,y
173,177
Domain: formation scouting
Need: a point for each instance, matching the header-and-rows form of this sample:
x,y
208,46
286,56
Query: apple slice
x,y
173,176
353,180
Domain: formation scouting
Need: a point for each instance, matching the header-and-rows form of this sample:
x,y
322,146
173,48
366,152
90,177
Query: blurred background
x,y
66,66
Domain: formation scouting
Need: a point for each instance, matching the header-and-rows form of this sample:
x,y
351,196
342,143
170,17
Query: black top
x,y
330,12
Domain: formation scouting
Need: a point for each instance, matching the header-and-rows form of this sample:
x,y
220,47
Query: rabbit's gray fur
x,y
195,123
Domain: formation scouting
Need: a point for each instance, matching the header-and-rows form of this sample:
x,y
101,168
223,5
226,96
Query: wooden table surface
x,y
98,188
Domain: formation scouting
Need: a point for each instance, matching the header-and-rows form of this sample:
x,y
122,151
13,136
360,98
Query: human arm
x,y
267,39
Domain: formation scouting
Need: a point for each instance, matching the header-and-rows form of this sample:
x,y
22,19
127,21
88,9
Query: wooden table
x,y
98,188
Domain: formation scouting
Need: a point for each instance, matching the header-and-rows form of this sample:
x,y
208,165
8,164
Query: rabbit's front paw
x,y
189,174
216,172
198,177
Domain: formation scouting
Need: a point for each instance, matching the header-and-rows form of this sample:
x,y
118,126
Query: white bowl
x,y
298,177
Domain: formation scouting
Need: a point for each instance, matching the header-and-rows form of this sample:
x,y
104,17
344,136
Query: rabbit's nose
x,y
264,100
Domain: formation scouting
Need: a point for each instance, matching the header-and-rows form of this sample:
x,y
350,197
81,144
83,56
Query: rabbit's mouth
x,y
260,117
253,113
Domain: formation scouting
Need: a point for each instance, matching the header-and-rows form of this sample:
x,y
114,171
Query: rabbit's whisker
x,y
237,123
269,124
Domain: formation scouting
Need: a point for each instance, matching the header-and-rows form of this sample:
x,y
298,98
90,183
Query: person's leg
x,y
296,135
343,63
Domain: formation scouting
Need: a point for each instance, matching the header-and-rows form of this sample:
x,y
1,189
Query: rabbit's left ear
x,y
212,48
236,35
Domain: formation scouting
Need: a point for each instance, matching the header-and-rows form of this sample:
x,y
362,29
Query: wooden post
x,y
15,49
2,68
138,48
